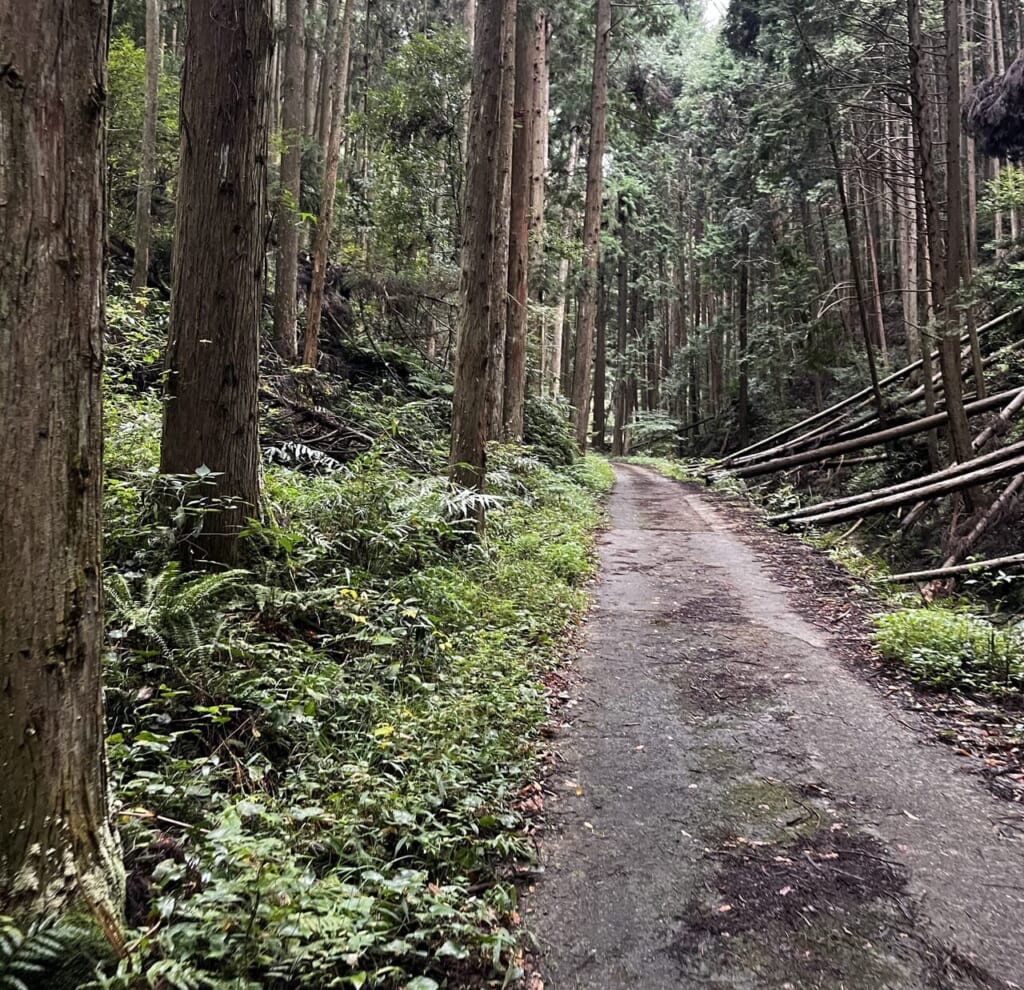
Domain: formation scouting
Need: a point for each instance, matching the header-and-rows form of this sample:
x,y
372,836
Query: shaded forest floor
x,y
744,798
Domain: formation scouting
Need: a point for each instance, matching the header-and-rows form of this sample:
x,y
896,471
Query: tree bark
x,y
322,241
600,418
949,349
622,328
743,326
328,78
483,214
58,850
211,406
147,161
592,224
292,122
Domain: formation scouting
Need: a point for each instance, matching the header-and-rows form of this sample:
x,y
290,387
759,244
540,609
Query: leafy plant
x,y
952,648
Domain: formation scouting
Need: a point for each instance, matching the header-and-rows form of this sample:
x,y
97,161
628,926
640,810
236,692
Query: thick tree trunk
x,y
210,409
58,851
147,161
519,230
322,241
483,215
592,224
292,120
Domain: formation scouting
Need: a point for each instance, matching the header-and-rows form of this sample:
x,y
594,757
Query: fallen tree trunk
x,y
836,430
994,512
964,480
1001,423
998,427
941,572
912,484
862,398
863,442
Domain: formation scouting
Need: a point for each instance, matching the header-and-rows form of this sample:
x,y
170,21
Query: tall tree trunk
x,y
147,161
322,241
621,339
600,362
483,215
558,326
949,349
210,408
309,75
58,851
519,230
592,223
502,234
743,327
292,119
855,274
329,77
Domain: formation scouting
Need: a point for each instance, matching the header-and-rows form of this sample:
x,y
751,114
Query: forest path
x,y
735,807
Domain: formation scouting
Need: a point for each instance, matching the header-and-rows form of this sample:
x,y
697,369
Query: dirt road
x,y
736,807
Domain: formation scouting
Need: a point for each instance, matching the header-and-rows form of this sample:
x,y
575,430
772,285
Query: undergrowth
x,y
317,757
945,647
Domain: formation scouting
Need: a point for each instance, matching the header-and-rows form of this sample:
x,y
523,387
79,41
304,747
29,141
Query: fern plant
x,y
180,613
27,956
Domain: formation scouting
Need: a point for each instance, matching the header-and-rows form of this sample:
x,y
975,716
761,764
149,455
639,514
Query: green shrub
x,y
952,648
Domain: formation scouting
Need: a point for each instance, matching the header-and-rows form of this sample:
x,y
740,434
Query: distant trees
x,y
210,412
58,852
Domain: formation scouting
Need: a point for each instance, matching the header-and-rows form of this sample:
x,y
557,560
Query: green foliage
x,y
25,956
50,954
126,107
412,121
952,649
335,738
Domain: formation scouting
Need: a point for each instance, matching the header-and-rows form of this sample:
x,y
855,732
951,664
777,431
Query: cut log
x,y
941,572
863,442
1004,453
964,480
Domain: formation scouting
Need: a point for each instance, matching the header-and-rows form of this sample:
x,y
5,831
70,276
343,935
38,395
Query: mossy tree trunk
x,y
58,851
